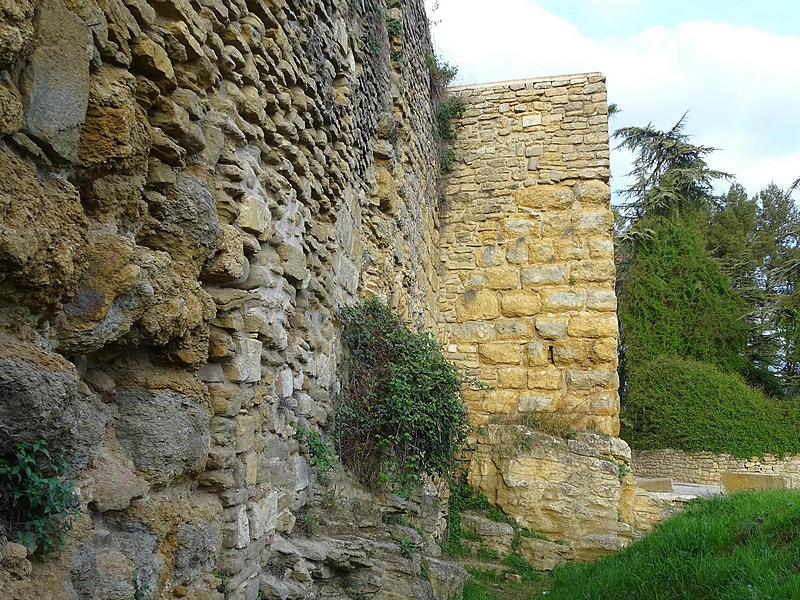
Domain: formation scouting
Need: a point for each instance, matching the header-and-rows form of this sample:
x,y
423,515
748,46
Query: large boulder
x,y
55,82
43,235
165,432
42,398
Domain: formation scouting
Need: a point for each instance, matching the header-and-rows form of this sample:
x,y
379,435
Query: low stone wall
x,y
708,468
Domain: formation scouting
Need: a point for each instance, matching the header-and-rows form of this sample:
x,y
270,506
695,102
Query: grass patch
x,y
488,584
742,546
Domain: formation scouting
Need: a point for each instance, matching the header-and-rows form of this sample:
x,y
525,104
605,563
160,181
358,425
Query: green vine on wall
x,y
38,503
400,415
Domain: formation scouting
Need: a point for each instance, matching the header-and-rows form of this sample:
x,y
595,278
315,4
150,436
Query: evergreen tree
x,y
670,173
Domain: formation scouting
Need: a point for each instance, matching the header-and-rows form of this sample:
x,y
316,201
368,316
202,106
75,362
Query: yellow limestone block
x,y
515,378
593,326
537,354
500,353
548,378
501,278
520,303
604,350
545,197
568,352
477,305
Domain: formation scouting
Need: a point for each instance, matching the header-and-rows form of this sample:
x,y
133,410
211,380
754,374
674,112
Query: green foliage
x,y
675,300
670,175
224,585
492,584
488,554
322,452
393,26
462,497
448,109
441,75
757,241
400,415
308,522
623,470
38,503
407,547
445,111
737,547
140,588
677,403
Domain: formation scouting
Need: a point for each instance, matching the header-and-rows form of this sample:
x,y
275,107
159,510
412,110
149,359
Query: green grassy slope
x,y
741,547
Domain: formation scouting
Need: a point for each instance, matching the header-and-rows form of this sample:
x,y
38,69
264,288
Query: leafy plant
x,y
623,470
140,587
407,547
441,75
400,414
322,452
393,26
38,503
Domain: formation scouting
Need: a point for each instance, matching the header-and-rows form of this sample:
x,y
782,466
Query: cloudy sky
x,y
733,64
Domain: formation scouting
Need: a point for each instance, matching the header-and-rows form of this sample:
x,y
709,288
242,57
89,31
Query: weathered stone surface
x,y
16,29
196,552
43,233
55,83
734,482
165,433
447,579
113,480
662,484
544,555
476,306
565,489
493,535
116,133
186,224
708,468
42,398
11,115
240,144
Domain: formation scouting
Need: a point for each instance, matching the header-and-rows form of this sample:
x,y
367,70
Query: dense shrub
x,y
675,300
688,405
400,415
38,503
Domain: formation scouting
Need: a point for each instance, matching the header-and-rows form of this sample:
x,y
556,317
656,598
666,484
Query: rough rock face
x,y
565,489
188,190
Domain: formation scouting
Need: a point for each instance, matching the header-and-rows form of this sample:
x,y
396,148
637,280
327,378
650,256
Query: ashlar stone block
x,y
520,303
477,305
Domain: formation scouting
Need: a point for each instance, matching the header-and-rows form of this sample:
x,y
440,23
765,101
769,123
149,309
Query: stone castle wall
x,y
528,307
708,468
188,190
528,300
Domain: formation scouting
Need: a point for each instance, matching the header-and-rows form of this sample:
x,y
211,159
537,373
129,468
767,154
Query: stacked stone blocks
x,y
528,298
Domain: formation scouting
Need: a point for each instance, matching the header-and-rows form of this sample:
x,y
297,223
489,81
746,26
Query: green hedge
x,y
689,405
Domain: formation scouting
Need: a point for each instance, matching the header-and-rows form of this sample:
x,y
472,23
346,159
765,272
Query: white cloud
x,y
741,84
